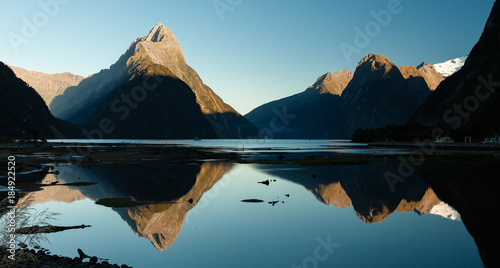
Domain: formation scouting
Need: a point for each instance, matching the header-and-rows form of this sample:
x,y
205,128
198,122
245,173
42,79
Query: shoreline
x,y
463,147
45,259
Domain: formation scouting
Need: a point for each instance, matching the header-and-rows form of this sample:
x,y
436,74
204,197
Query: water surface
x,y
327,216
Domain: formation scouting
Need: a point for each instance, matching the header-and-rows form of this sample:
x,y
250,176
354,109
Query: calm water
x,y
327,216
255,145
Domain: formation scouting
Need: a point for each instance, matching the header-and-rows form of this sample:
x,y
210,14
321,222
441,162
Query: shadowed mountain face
x,y
365,189
470,188
172,190
379,95
162,223
307,115
475,196
23,113
48,85
469,101
157,54
168,111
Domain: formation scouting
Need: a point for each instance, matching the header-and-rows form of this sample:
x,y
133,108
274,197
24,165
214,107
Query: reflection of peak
x,y
446,211
421,206
59,193
365,189
332,194
162,223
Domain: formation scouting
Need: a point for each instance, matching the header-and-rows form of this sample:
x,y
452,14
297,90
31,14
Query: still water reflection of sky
x,y
218,230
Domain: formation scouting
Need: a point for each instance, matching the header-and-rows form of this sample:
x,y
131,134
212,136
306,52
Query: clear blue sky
x,y
260,51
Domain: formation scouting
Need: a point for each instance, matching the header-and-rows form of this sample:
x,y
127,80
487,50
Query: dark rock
x,y
252,201
93,260
264,182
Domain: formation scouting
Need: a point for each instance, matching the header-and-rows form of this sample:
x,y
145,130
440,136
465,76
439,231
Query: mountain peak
x,y
161,47
333,83
372,57
423,64
159,33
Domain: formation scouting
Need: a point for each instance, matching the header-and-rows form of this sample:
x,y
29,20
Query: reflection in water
x,y
361,186
60,193
182,186
162,223
366,189
472,188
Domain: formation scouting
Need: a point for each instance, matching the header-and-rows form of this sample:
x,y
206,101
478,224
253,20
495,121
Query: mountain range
x,y
152,93
378,93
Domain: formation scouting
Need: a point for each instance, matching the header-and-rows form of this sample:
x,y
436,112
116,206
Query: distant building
x,y
444,140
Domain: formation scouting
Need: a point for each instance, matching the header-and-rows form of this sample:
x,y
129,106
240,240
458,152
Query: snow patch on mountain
x,y
450,67
446,211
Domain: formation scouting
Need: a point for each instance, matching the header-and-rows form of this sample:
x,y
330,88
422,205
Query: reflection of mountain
x,y
162,223
365,188
60,193
472,189
332,194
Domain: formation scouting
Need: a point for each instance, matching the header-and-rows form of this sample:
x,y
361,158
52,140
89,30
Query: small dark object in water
x,y
314,175
191,200
281,157
287,195
48,229
54,182
273,202
252,201
82,255
265,182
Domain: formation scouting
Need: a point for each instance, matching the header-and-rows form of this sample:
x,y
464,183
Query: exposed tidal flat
x,y
155,203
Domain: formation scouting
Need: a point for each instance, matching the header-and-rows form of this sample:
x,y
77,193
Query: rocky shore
x,y
45,260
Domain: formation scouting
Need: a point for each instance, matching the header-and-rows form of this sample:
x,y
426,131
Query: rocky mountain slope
x,y
378,95
48,86
468,102
431,75
23,113
308,115
156,63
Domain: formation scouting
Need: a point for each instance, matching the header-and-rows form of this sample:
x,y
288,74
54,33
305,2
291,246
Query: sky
x,y
249,52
